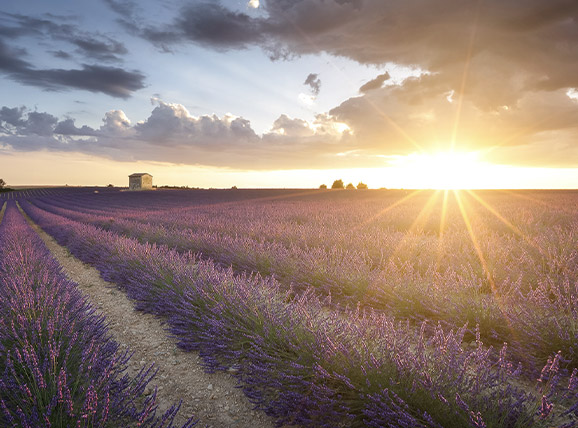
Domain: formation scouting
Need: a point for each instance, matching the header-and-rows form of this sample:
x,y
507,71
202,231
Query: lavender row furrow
x,y
308,366
537,322
59,365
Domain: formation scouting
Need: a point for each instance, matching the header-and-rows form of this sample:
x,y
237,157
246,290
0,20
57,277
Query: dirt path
x,y
212,398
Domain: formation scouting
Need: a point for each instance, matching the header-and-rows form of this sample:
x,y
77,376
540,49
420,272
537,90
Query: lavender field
x,y
376,308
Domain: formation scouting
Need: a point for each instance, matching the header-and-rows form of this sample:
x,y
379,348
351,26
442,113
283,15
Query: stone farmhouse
x,y
140,181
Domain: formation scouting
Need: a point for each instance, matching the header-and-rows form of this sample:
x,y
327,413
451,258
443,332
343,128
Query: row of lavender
x,y
305,365
59,365
523,292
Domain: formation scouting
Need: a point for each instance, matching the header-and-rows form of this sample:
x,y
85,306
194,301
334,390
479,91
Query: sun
x,y
443,170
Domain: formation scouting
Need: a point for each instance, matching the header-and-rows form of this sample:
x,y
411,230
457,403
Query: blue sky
x,y
280,93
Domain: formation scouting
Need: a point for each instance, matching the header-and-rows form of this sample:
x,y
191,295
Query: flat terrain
x,y
213,399
333,308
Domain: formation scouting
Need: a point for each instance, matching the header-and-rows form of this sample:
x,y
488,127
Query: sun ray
x,y
387,209
526,197
483,262
379,111
421,218
464,79
442,228
514,229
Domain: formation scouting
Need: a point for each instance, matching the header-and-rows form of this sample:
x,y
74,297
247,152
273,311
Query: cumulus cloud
x,y
67,127
503,62
284,125
173,125
172,134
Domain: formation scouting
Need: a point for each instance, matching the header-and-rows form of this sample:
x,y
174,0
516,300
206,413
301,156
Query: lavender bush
x,y
58,364
518,284
307,365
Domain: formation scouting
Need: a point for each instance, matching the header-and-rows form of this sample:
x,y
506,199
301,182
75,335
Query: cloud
x,y
91,46
13,120
102,50
208,24
284,125
314,82
67,127
172,134
112,81
503,63
16,63
124,8
376,83
173,125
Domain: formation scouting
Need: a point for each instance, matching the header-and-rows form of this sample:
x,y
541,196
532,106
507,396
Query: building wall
x,y
140,183
147,182
134,183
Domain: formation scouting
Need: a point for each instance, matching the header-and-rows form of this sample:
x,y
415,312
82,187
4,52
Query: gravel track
x,y
214,399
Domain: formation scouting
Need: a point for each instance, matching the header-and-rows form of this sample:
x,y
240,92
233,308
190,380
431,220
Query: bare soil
x,y
214,399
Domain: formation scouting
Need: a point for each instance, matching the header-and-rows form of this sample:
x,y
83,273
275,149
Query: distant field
x,y
378,308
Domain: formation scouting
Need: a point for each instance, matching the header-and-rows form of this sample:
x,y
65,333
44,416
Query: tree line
x,y
338,184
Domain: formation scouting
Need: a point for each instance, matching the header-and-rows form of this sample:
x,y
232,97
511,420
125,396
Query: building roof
x,y
140,174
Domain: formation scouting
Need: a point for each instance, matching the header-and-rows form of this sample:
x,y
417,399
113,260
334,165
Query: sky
x,y
290,93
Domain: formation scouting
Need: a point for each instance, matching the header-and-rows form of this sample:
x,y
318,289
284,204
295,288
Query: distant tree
x,y
350,186
234,187
337,184
2,183
110,185
323,186
362,186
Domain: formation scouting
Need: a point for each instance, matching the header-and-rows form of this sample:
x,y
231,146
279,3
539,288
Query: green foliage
x,y
362,186
337,184
323,186
350,186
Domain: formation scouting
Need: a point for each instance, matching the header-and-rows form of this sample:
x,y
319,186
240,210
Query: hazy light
x,y
308,100
443,170
253,3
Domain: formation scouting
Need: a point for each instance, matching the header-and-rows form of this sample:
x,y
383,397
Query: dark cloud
x,y
102,50
11,118
10,59
16,25
214,25
376,83
314,82
68,127
488,66
112,81
18,121
61,54
124,8
96,47
206,23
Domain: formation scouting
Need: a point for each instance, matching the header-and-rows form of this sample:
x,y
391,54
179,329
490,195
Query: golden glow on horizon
x,y
444,170
403,172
